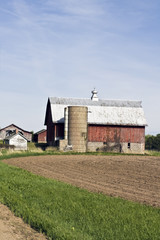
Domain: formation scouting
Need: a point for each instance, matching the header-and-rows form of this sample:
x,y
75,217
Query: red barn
x,y
111,125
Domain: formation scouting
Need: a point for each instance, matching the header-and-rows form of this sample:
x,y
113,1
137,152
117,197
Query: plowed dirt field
x,y
136,178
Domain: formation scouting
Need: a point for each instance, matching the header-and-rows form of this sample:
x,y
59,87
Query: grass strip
x,y
15,154
62,211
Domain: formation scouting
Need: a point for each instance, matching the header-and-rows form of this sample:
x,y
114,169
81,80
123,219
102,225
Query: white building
x,y
18,140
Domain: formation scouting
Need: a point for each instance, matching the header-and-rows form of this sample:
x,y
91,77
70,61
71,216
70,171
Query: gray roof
x,y
89,102
43,130
105,112
15,134
13,125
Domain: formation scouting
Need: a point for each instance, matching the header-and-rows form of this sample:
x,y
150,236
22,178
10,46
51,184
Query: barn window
x,y
129,145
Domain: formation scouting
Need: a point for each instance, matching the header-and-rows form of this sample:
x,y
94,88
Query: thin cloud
x,y
66,47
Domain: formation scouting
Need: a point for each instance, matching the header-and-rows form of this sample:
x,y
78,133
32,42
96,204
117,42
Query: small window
x,y
129,145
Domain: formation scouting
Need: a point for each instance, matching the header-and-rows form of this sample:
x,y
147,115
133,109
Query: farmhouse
x,y
18,140
95,125
9,130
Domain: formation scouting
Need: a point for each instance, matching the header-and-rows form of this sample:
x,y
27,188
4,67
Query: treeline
x,y
152,142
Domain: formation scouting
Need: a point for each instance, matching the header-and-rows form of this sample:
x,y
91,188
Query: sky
x,y
66,48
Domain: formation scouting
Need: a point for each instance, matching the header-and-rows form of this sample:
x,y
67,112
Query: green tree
x,y
152,142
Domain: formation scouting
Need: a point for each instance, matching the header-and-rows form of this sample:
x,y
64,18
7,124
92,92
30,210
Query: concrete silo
x,y
77,128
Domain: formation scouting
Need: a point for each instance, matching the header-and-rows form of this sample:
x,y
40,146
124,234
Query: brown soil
x,y
136,178
13,228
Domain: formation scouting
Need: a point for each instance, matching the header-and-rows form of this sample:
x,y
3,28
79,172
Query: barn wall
x,y
106,138
116,138
50,126
50,133
103,133
2,134
59,131
54,132
19,142
42,137
134,148
115,134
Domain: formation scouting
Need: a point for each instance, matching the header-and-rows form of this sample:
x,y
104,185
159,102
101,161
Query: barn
x,y
12,128
96,124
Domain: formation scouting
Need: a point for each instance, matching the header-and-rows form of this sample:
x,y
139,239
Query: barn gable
x,y
12,128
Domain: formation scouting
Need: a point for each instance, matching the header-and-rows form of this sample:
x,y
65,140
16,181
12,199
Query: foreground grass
x,y
62,211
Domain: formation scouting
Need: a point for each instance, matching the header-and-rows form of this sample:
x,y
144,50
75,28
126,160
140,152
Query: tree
x,y
152,142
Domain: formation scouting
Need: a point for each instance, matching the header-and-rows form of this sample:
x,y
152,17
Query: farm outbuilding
x,y
9,130
40,136
17,140
95,124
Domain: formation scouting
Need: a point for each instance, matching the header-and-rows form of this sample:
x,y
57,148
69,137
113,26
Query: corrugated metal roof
x,y
89,102
106,112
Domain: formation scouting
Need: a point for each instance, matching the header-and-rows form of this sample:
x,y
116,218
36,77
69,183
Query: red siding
x,y
133,134
42,136
98,133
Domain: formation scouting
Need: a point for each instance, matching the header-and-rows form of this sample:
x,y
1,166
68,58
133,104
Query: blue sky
x,y
65,48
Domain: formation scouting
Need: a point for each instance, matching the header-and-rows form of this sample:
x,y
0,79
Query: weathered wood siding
x,y
99,133
42,137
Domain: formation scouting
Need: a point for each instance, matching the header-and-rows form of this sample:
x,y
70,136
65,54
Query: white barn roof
x,y
105,112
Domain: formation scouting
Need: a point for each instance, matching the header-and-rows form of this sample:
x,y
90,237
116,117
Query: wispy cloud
x,y
57,47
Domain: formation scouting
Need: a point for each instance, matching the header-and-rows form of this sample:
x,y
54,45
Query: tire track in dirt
x,y
136,178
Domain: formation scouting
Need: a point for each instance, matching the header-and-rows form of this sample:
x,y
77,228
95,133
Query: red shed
x,y
112,125
41,136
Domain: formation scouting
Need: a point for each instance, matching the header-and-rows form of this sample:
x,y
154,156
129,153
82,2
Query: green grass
x,y
9,154
152,153
62,211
